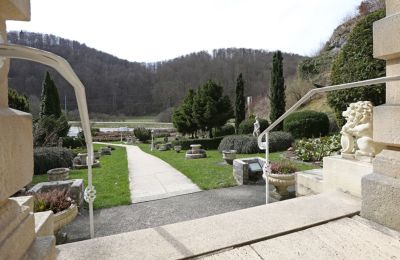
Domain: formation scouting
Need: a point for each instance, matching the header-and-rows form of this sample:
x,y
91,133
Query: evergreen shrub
x,y
47,158
307,124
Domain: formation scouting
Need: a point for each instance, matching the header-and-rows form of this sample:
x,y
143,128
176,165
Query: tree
x,y
240,105
355,62
277,89
182,117
18,101
50,105
210,108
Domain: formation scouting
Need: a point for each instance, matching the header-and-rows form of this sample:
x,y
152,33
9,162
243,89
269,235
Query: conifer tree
x,y
50,101
277,89
240,106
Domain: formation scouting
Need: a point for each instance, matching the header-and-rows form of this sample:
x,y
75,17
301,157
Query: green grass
x,y
111,180
210,172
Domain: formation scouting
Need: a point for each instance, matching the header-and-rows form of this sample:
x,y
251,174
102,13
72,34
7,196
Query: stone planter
x,y
229,156
105,151
64,217
195,147
162,147
97,155
281,182
177,148
58,174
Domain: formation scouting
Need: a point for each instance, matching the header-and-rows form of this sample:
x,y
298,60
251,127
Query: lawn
x,y
111,180
210,172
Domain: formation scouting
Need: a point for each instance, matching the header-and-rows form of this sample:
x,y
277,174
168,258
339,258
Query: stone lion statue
x,y
356,137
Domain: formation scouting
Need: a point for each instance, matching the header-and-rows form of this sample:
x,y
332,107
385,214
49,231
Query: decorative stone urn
x,y
196,152
61,219
177,148
97,155
281,182
162,147
58,174
83,157
229,156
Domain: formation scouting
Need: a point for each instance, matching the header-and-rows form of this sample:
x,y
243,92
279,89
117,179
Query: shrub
x,y
55,200
46,158
317,148
210,144
284,167
142,134
307,124
247,126
73,142
18,101
355,62
225,130
246,144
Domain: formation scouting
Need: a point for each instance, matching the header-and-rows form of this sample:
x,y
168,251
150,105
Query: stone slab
x,y
386,123
24,201
16,151
393,88
381,197
15,10
43,248
392,7
341,239
387,163
44,223
205,235
244,252
309,182
11,215
344,174
386,35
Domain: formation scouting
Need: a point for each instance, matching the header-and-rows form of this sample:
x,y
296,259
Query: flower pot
x,y
281,182
58,174
229,156
64,217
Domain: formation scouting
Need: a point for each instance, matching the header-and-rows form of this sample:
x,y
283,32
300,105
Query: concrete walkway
x,y
150,178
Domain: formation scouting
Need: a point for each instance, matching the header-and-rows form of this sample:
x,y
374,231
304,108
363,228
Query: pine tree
x,y
50,101
240,106
182,117
18,101
277,89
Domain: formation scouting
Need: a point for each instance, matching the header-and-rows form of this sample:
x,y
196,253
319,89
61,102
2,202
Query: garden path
x,y
150,178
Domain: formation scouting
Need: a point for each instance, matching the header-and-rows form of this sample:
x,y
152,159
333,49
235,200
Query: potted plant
x,y
229,156
58,201
281,175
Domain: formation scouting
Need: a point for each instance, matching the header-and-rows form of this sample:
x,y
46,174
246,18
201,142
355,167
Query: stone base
x,y
278,197
345,175
243,174
309,182
380,200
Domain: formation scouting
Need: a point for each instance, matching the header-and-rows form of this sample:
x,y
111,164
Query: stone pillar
x,y
381,190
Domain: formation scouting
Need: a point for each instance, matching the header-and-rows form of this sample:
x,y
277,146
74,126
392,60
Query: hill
x,y
116,86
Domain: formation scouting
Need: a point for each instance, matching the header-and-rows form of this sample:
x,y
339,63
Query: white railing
x,y
63,67
265,145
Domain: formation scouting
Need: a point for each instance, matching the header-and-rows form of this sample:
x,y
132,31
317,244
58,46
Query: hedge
x,y
224,131
46,158
210,144
307,124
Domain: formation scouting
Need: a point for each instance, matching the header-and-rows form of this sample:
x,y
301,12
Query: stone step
x,y
340,239
24,201
210,234
43,248
44,223
309,182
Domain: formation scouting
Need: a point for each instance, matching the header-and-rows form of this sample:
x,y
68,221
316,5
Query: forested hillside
x,y
116,86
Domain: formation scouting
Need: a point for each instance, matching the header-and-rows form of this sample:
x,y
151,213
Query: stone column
x,y
381,190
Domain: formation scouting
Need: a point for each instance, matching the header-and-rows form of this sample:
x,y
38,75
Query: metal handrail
x,y
265,145
62,66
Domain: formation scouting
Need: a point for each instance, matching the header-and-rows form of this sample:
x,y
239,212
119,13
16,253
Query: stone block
x,y
11,215
43,248
386,125
242,172
24,201
392,7
387,163
309,182
386,35
4,68
393,88
344,174
15,10
380,200
16,151
44,223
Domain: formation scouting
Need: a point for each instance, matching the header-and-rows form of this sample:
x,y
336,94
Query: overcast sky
x,y
155,30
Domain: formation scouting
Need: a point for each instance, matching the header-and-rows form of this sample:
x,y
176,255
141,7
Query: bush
x,y
355,62
225,130
247,144
73,142
142,134
247,126
317,148
210,144
46,158
307,124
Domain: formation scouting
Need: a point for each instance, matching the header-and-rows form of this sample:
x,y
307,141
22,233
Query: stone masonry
x,y
381,189
17,224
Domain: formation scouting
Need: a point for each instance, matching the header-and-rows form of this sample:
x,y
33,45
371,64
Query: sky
x,y
156,30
